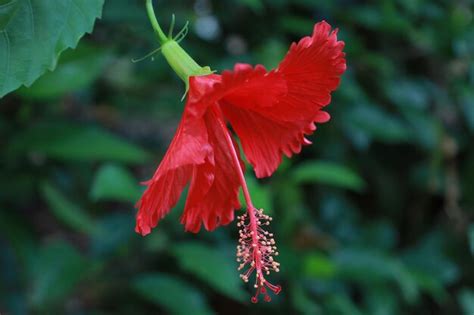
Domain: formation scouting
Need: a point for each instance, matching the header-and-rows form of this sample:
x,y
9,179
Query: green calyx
x,y
177,57
181,62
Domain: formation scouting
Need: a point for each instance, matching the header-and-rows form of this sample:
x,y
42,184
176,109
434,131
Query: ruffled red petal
x,y
313,67
271,112
214,193
197,154
189,147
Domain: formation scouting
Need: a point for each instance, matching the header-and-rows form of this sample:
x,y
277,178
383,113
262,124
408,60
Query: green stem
x,y
154,23
177,58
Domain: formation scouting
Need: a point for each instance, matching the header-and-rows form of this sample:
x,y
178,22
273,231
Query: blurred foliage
x,y
374,218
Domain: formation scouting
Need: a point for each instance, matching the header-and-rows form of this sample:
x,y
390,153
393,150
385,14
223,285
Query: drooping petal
x,y
213,204
271,112
197,155
188,148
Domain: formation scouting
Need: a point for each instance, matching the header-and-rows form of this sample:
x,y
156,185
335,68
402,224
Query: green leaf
x,y
430,258
255,5
381,300
377,123
175,295
271,52
72,142
114,233
76,70
429,284
466,299
426,129
355,263
302,301
467,105
33,33
328,173
20,236
319,266
8,9
212,266
470,235
341,304
296,24
368,16
55,272
114,182
408,94
66,211
379,235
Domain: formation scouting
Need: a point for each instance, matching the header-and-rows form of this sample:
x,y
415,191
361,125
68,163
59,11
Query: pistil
x,y
256,246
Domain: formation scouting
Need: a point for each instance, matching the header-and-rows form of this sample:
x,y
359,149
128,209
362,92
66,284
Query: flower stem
x,y
177,58
154,23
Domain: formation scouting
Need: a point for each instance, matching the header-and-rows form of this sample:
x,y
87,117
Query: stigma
x,y
256,251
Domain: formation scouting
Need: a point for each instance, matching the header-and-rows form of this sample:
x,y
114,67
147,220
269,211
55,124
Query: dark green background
x,y
373,218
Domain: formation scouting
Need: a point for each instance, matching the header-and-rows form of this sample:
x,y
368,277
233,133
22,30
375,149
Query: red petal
x,y
313,67
197,154
189,147
264,140
271,112
213,203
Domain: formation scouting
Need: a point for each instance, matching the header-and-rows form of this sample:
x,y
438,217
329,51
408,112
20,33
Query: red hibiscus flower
x,y
271,112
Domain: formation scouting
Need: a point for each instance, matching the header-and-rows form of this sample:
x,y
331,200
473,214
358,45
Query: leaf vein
x,y
60,33
7,4
30,8
7,59
80,10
